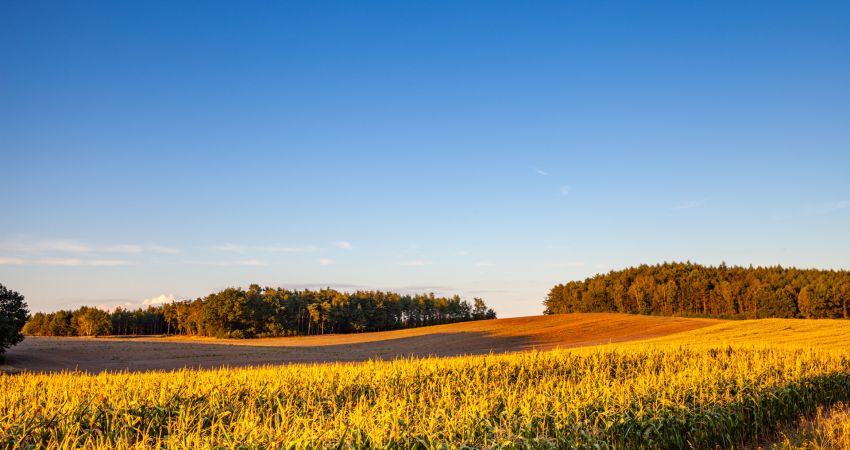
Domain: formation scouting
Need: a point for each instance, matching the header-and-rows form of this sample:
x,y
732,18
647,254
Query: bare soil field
x,y
48,354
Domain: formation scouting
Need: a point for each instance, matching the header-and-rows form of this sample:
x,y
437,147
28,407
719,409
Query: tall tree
x,y
13,316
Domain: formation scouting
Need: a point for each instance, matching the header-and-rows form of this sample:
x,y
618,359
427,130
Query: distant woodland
x,y
689,289
258,312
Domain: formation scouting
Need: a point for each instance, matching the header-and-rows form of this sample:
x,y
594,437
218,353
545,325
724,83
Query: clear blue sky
x,y
486,148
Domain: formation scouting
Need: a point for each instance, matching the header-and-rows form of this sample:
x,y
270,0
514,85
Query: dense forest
x,y
689,289
256,312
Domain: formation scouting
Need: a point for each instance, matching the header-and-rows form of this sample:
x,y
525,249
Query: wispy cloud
x,y
568,264
463,253
540,171
250,262
415,262
326,262
834,206
6,261
344,245
236,248
69,262
71,246
135,249
228,248
244,262
691,204
564,191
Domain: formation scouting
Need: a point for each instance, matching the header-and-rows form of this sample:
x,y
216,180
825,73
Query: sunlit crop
x,y
608,397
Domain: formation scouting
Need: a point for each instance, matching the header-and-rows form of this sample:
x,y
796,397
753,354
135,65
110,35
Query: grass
x,y
671,392
826,429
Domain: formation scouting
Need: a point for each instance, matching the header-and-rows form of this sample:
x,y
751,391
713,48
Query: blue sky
x,y
493,149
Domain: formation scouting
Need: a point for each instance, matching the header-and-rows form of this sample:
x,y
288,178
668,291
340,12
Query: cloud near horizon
x,y
274,248
68,262
72,246
415,262
162,299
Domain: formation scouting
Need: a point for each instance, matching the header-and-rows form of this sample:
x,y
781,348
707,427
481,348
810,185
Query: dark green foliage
x,y
694,290
239,313
13,315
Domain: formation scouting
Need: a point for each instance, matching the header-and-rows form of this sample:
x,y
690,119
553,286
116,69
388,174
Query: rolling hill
x,y
477,337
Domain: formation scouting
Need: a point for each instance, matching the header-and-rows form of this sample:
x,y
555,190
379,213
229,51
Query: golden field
x,y
724,385
481,337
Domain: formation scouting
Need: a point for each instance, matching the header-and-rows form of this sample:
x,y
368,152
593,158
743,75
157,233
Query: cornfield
x,y
602,397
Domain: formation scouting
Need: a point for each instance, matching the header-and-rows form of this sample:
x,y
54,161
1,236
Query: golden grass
x,y
827,429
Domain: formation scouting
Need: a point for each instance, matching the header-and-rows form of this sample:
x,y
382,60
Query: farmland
x,y
676,390
477,337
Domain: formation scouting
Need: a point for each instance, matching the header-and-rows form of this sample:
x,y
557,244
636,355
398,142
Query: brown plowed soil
x,y
481,337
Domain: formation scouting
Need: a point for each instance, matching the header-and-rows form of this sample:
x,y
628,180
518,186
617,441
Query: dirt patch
x,y
46,354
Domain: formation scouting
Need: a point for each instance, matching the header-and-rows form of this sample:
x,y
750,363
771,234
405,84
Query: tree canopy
x,y
13,315
239,313
690,289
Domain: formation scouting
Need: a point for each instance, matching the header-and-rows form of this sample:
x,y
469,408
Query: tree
x,y
723,291
13,316
265,311
480,311
91,322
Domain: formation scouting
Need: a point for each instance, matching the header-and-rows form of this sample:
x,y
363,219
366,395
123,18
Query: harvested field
x,y
45,354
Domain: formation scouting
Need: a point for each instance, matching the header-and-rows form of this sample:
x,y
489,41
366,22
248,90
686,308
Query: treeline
x,y
689,289
261,312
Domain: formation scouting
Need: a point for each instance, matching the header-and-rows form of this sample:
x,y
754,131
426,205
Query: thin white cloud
x,y
69,262
415,262
326,262
344,245
540,172
228,248
568,264
463,253
244,262
106,262
236,248
250,262
70,246
691,204
835,206
46,246
5,261
162,249
124,248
